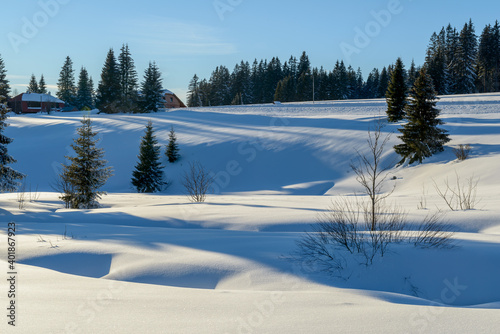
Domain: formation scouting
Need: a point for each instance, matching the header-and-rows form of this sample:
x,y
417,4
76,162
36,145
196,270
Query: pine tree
x,y
304,80
172,151
66,83
412,74
464,64
396,93
151,88
128,81
148,174
84,95
108,91
33,85
193,97
4,83
87,171
436,62
42,86
383,82
8,176
420,135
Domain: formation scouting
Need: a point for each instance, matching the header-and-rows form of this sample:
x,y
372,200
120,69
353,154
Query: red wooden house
x,y
32,103
170,100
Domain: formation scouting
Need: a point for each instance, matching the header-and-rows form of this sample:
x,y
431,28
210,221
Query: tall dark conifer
x,y
148,174
8,176
172,151
33,85
4,83
42,86
66,83
87,172
396,93
108,91
151,88
128,80
420,135
84,95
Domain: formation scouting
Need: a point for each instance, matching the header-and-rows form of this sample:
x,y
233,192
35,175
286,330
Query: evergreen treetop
x,y
420,135
87,171
172,151
108,91
396,93
148,174
66,83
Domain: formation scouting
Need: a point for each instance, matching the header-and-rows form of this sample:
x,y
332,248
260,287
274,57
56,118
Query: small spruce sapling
x,y
172,151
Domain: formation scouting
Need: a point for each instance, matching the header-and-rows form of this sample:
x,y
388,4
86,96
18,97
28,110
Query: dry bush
x,y
197,180
433,233
462,152
461,196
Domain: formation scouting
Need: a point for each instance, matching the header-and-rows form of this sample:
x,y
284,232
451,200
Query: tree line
x,y
458,62
118,90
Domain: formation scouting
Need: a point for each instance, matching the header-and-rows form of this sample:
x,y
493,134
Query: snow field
x,y
157,263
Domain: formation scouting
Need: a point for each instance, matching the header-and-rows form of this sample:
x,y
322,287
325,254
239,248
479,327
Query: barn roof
x,y
35,97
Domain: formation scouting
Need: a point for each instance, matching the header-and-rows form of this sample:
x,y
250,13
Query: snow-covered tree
x,y
87,172
396,93
108,91
8,176
66,83
33,85
148,174
151,88
172,151
420,135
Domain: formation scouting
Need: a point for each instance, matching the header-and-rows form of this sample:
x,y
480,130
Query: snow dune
x,y
157,263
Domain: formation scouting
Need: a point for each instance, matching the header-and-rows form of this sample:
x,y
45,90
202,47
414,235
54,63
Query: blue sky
x,y
188,37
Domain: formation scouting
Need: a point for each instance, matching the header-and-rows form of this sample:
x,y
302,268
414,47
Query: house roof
x,y
166,91
35,97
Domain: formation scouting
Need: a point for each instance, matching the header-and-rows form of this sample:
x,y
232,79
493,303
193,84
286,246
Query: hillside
x,y
157,263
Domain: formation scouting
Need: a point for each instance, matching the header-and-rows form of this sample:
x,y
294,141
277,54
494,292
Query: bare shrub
x,y
433,233
197,180
65,188
462,152
461,196
21,196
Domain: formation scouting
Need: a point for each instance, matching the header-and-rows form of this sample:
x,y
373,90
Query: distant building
x,y
170,100
27,103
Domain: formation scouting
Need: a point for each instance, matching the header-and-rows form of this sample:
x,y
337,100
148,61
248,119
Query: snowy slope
x,y
160,264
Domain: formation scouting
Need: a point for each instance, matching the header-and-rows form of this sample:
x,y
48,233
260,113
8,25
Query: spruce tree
x,y
420,135
8,176
33,85
172,151
87,171
4,83
151,88
193,97
42,86
128,80
464,64
148,174
396,93
108,90
84,95
66,83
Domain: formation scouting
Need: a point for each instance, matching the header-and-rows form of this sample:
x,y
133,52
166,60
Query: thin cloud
x,y
174,37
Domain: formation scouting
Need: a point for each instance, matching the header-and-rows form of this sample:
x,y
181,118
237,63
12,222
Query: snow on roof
x,y
166,91
35,97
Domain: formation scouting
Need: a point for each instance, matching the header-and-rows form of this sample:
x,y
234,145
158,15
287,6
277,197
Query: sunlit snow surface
x,y
156,263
